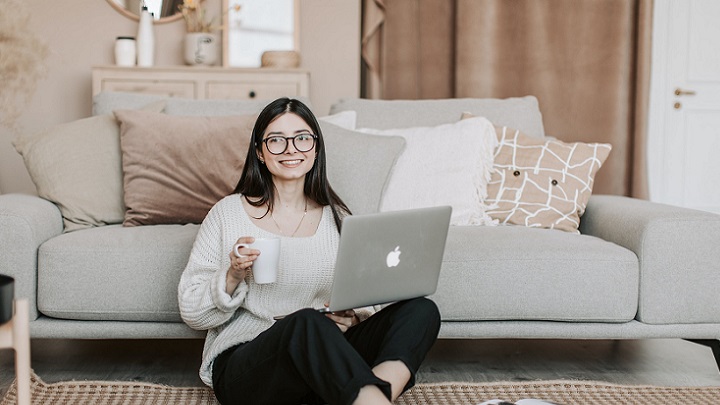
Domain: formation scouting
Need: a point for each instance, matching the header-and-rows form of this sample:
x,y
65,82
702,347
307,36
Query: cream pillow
x,y
540,182
343,119
77,166
448,164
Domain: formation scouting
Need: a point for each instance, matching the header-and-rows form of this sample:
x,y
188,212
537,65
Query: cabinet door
x,y
184,89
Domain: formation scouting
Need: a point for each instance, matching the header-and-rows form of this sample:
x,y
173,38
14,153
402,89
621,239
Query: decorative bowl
x,y
280,59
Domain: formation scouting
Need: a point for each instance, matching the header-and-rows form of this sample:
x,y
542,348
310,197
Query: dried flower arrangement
x,y
194,13
22,61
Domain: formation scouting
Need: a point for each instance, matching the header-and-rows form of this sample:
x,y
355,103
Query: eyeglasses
x,y
278,144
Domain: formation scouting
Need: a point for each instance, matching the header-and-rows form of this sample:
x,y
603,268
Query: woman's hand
x,y
240,266
344,319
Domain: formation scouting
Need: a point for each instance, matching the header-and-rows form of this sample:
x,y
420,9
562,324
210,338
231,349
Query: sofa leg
x,y
714,344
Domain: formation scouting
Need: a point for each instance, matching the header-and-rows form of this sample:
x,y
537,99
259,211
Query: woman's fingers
x,y
242,258
343,319
242,247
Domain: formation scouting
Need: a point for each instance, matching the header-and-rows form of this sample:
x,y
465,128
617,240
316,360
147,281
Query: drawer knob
x,y
252,94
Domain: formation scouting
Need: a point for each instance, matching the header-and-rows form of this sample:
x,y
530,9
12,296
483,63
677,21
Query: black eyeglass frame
x,y
287,142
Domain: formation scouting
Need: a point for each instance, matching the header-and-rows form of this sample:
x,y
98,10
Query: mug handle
x,y
236,249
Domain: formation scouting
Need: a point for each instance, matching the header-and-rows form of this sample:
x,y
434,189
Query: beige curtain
x,y
587,62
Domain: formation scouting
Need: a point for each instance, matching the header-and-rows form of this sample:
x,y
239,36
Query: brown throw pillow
x,y
542,183
176,168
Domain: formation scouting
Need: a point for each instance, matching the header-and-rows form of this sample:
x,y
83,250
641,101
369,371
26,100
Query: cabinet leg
x,y
21,332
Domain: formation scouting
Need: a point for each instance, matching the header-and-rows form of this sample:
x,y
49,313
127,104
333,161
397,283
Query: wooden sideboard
x,y
203,82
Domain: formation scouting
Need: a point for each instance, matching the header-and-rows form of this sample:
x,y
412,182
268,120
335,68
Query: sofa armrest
x,y
25,223
677,249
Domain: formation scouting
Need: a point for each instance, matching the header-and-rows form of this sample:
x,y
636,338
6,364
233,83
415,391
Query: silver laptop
x,y
389,256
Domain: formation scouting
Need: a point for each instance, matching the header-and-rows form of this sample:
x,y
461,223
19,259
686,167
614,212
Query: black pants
x,y
305,358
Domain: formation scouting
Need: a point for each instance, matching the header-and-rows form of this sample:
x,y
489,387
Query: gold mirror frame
x,y
127,13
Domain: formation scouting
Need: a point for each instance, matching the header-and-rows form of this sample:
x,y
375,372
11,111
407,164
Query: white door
x,y
684,114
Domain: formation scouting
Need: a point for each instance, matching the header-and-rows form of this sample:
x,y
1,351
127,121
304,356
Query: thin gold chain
x,y
299,223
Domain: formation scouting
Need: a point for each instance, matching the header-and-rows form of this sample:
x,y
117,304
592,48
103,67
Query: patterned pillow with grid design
x,y
542,183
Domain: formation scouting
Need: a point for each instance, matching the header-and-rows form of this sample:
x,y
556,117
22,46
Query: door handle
x,y
681,92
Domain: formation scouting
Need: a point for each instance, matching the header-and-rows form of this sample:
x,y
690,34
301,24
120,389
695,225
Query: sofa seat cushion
x,y
114,273
519,273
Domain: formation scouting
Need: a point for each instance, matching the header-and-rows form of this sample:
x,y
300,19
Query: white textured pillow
x,y
343,119
448,164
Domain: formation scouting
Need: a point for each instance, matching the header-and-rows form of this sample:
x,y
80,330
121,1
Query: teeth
x,y
291,162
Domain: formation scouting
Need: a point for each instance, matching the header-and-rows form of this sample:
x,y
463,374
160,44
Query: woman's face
x,y
285,159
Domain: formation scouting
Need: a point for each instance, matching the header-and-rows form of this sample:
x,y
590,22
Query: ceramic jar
x,y
125,51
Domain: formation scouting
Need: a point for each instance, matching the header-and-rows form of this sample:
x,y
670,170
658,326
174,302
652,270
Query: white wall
x,y
81,34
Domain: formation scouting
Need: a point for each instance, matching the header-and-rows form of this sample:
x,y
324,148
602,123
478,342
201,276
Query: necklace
x,y
299,223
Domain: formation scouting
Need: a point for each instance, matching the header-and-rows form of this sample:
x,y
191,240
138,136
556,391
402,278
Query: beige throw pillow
x,y
542,183
176,168
77,166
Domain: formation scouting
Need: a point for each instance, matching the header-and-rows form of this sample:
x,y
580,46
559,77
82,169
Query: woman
x,y
355,356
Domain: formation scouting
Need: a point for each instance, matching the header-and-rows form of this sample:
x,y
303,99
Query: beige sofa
x,y
635,270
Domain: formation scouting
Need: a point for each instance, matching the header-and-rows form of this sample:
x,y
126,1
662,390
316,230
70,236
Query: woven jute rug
x,y
562,392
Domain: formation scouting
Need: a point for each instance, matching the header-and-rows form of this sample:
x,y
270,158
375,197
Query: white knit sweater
x,y
304,279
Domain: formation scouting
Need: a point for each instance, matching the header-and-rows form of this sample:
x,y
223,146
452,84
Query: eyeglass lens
x,y
278,144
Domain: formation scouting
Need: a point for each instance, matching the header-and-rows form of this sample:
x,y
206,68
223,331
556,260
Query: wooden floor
x,y
176,362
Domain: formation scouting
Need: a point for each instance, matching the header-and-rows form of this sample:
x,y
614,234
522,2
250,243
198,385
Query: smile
x,y
291,162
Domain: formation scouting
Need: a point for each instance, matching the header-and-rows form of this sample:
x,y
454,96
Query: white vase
x,y
145,40
201,48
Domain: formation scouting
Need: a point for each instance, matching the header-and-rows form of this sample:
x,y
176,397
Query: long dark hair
x,y
256,183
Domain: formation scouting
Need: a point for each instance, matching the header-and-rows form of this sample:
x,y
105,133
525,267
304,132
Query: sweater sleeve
x,y
203,301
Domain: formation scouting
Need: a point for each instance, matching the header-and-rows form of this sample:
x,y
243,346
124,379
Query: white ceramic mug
x,y
265,267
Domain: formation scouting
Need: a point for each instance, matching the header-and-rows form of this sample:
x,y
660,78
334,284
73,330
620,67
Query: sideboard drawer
x,y
167,88
250,90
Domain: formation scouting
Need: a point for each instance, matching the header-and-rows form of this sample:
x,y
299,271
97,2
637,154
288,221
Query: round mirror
x,y
162,10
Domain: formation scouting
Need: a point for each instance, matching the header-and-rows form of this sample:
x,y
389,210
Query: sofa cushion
x,y
448,164
77,165
188,107
114,273
359,165
176,168
540,182
522,113
520,273
107,102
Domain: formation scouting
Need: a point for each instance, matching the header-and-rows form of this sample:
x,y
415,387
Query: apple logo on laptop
x,y
393,258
